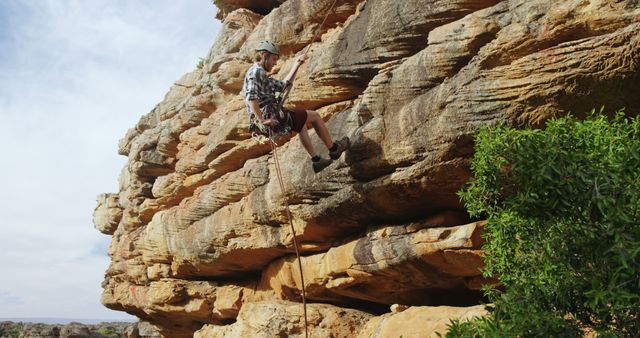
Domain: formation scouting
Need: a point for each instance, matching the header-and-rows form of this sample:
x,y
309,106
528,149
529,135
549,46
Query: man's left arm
x,y
288,81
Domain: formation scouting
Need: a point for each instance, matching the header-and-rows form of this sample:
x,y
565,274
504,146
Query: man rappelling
x,y
268,118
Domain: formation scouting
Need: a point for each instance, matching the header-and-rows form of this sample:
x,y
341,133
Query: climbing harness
x,y
260,131
282,187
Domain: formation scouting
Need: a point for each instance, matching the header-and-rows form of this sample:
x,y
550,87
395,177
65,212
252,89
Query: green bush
x,y
108,332
12,330
563,233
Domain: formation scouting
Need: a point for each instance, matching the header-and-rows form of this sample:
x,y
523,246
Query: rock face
x,y
283,319
418,321
200,237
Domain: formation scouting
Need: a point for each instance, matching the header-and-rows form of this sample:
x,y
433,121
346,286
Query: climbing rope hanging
x,y
315,36
283,188
293,230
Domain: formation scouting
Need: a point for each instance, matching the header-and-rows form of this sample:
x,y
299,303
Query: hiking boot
x,y
341,146
321,164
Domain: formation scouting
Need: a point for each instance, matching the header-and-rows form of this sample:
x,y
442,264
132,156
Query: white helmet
x,y
268,46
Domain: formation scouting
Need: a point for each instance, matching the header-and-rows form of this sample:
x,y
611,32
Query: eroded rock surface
x,y
406,264
285,319
107,214
200,237
418,321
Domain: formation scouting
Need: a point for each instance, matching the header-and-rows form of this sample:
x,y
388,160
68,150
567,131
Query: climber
x,y
259,92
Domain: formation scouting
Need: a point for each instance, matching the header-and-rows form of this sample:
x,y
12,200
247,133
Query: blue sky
x,y
74,76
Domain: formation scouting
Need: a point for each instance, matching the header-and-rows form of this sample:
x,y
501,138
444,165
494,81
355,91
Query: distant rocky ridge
x,y
200,242
77,330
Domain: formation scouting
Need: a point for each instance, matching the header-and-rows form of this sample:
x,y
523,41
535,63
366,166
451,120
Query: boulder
x,y
418,321
107,214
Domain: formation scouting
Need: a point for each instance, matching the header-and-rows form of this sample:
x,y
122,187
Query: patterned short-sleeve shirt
x,y
258,85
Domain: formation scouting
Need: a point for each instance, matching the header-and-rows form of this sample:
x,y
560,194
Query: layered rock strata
x,y
200,237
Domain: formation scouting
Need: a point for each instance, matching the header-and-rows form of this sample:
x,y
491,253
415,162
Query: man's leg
x,y
306,142
314,119
335,148
318,163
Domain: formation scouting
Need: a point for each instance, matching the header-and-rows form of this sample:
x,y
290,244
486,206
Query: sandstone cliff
x,y
201,244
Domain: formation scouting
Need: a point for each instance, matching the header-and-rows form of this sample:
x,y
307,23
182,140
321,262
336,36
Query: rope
x,y
320,29
288,89
293,230
283,189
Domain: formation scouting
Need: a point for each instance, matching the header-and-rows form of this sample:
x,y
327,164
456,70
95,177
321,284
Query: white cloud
x,y
74,76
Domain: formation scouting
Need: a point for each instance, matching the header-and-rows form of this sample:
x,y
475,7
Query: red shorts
x,y
298,118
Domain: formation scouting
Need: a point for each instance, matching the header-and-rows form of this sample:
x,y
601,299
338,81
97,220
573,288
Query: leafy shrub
x,y
12,330
563,232
108,332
